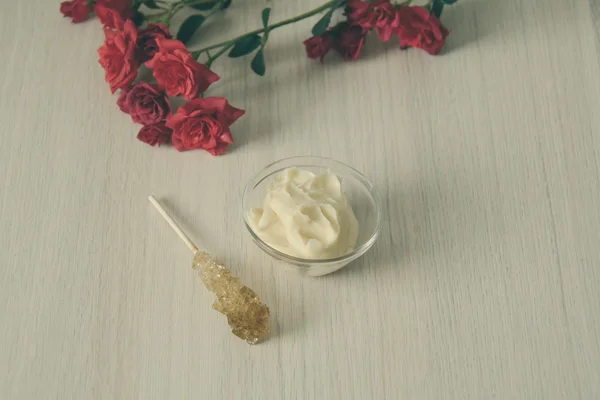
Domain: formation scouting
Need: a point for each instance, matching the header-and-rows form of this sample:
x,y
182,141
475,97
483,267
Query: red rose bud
x,y
318,46
418,28
386,21
109,18
177,72
362,12
113,13
204,124
349,41
155,134
145,103
147,40
77,10
118,57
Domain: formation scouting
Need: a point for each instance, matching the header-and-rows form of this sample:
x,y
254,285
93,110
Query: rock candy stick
x,y
246,314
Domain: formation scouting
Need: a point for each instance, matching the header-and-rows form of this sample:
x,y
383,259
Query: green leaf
x,y
436,7
138,18
258,63
244,46
203,6
150,4
207,5
189,27
449,2
266,13
321,26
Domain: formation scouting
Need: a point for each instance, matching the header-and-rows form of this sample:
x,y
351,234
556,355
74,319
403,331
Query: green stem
x,y
228,43
167,13
156,17
218,54
217,7
174,9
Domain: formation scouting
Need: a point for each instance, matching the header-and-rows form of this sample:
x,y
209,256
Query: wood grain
x,y
484,285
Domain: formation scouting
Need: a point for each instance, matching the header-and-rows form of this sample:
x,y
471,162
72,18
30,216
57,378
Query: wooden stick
x,y
173,224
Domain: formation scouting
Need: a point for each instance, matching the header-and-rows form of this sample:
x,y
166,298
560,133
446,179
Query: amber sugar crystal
x,y
246,314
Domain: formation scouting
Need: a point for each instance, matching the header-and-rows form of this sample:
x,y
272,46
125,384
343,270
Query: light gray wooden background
x,y
485,283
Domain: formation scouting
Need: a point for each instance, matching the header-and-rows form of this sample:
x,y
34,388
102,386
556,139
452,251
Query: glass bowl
x,y
360,193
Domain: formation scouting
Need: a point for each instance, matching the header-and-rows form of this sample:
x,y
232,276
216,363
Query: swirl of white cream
x,y
306,215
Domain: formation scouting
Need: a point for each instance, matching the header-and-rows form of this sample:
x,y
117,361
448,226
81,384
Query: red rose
x,y
318,46
118,57
349,41
386,20
77,10
362,12
418,28
177,72
145,103
147,39
204,124
113,13
155,134
108,17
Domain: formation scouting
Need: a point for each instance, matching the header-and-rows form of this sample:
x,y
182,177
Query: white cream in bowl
x,y
306,216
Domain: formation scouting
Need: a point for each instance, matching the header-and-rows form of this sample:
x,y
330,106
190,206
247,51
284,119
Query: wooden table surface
x,y
485,282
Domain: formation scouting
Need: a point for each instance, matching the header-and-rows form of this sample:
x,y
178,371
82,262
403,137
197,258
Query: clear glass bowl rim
x,y
305,161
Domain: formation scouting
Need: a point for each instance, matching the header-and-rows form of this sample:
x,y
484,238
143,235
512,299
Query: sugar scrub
x,y
306,215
